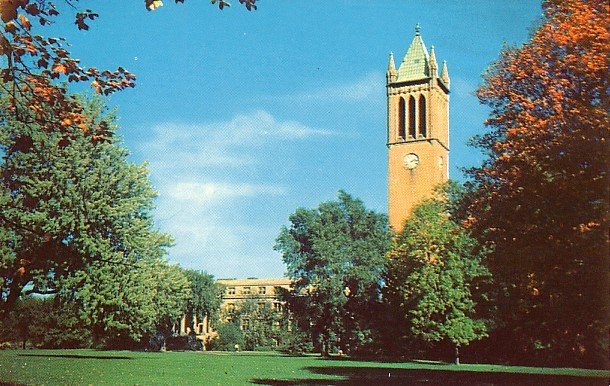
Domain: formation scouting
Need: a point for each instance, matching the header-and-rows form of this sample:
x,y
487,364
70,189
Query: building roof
x,y
282,281
415,64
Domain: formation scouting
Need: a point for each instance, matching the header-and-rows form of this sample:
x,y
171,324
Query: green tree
x,y
206,296
69,201
262,326
45,323
541,195
336,254
435,271
229,335
120,303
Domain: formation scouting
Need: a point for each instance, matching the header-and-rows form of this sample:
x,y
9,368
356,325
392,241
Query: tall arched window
x,y
401,118
412,115
422,116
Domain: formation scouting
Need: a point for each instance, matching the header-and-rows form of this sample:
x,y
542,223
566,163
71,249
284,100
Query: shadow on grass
x,y
393,376
74,356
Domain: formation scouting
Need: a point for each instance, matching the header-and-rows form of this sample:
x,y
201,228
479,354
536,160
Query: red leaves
x,y
36,61
5,46
81,19
25,22
32,9
8,10
60,68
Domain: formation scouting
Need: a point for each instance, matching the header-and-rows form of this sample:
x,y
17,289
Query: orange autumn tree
x,y
542,192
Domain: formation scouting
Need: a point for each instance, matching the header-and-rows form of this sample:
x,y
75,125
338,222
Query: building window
x,y
401,118
231,291
422,116
412,127
262,290
245,291
277,307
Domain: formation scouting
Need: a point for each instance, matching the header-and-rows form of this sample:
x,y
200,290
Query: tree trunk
x,y
17,284
456,355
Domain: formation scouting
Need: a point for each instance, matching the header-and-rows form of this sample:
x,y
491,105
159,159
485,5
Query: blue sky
x,y
245,116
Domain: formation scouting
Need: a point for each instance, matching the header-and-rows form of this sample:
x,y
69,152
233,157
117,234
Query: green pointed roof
x,y
415,64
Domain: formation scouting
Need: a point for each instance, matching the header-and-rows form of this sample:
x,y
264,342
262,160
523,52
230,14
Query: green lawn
x,y
83,367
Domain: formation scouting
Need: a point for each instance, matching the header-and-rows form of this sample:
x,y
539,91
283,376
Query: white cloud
x,y
222,143
213,178
369,86
212,192
463,88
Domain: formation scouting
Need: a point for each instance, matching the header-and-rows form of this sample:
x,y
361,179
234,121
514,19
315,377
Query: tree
x,y
261,325
45,323
336,254
121,303
541,196
206,296
435,271
229,335
67,203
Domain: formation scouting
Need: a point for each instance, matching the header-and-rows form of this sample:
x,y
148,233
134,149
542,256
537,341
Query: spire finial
x,y
391,72
433,64
445,75
417,29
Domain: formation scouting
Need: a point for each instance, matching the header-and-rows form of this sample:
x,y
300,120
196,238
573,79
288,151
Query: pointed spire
x,y
391,72
415,64
445,74
433,64
391,65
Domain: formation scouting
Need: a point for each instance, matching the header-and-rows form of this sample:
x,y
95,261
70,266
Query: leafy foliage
x,y
335,254
76,217
542,193
66,203
229,335
262,326
206,296
434,277
121,303
44,323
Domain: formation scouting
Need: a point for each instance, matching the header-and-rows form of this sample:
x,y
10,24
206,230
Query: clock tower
x,y
418,129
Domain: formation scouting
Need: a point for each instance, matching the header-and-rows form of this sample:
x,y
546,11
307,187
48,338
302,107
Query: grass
x,y
84,367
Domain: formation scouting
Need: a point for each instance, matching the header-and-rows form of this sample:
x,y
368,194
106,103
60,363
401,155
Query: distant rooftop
x,y
256,281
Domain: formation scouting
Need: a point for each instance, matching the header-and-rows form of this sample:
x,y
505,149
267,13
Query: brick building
x,y
417,129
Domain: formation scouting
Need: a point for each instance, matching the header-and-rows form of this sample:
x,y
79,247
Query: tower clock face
x,y
411,161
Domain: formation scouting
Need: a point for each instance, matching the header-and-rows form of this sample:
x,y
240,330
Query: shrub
x,y
229,334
